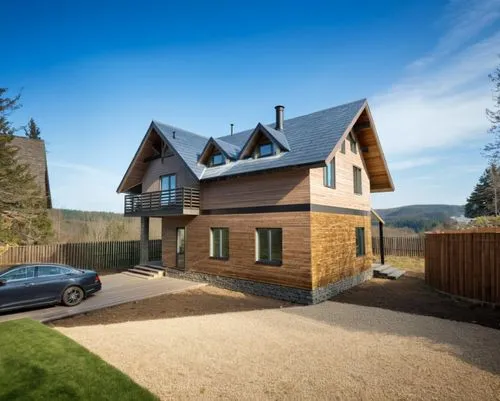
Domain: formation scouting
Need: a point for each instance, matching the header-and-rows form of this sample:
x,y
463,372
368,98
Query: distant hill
x,y
420,217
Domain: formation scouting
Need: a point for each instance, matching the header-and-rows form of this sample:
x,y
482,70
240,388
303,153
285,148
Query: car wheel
x,y
72,296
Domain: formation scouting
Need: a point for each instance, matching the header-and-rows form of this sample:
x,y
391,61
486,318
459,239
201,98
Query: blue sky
x,y
94,74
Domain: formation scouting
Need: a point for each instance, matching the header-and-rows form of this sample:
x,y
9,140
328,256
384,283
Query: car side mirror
x,y
2,282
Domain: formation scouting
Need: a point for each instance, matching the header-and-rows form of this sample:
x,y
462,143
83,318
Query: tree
x,y
23,214
31,130
485,199
492,149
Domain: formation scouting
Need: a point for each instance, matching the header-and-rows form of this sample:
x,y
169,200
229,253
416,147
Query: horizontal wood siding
x,y
278,188
91,255
294,272
170,165
343,194
333,249
466,264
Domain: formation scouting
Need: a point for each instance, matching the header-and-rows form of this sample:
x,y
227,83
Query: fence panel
x,y
95,255
400,246
465,263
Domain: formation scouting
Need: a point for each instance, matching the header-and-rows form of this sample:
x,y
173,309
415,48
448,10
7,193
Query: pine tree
x,y
485,199
492,149
23,214
31,130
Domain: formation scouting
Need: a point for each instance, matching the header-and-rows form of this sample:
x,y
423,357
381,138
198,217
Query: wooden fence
x,y
94,255
464,263
400,246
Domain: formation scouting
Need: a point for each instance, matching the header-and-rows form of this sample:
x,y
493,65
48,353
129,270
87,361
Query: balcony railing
x,y
162,203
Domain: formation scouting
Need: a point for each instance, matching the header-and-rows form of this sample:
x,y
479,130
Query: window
x,y
354,148
167,186
342,148
216,160
329,174
357,180
360,241
266,149
219,243
22,273
269,245
47,271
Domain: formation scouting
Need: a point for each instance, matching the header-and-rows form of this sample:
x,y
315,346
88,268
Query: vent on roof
x,y
279,117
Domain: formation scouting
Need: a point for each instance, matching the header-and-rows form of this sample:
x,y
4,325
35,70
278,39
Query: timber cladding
x,y
333,247
295,270
278,188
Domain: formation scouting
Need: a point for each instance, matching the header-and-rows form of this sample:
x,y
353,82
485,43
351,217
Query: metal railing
x,y
172,200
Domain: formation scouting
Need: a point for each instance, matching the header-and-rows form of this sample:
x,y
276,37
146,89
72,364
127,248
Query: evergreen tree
x,y
492,149
31,130
23,214
485,199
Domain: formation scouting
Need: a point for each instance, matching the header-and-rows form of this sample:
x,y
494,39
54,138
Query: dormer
x,y
218,152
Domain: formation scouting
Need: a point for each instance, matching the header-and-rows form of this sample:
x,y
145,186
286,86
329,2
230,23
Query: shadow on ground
x,y
202,301
411,294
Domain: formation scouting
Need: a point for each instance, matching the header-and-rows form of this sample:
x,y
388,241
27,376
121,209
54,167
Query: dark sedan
x,y
24,286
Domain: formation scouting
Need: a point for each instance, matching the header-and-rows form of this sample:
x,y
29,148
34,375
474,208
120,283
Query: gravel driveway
x,y
323,352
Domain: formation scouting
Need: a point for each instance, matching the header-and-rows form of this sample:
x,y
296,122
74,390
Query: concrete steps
x,y
387,271
147,271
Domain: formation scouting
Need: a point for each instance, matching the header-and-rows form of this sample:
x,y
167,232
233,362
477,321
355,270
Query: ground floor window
x,y
269,245
219,243
360,241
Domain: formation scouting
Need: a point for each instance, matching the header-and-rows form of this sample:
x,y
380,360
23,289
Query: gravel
x,y
330,351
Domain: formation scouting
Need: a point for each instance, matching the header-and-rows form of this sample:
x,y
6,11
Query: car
x,y
29,285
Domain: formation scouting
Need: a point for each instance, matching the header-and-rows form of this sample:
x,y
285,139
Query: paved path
x,y
116,289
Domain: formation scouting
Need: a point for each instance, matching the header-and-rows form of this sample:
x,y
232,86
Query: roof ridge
x,y
179,128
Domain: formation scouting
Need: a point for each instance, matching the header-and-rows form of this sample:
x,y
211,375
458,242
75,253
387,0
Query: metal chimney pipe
x,y
173,134
232,128
279,117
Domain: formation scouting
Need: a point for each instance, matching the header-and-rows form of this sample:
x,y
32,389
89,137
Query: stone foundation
x,y
290,294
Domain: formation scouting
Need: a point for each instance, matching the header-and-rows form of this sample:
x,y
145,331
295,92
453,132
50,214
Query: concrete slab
x,y
116,289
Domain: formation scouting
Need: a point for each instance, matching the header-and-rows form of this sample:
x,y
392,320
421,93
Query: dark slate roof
x,y
32,153
231,150
310,139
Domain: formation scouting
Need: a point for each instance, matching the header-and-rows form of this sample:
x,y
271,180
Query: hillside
x,y
420,217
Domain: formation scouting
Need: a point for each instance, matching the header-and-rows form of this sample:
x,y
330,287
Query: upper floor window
x,y
342,147
329,174
354,146
357,180
216,160
265,149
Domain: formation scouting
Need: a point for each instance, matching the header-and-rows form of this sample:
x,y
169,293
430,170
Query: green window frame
x,y
219,243
360,241
329,174
269,246
358,186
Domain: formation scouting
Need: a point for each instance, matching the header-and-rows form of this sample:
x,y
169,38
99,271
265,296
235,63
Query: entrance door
x,y
180,248
168,183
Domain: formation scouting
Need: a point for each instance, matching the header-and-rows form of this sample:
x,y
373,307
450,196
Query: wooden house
x,y
281,209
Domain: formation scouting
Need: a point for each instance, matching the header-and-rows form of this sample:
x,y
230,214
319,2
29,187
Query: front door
x,y
168,183
181,247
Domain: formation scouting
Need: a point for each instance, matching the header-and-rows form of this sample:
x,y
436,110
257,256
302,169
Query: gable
x,y
262,134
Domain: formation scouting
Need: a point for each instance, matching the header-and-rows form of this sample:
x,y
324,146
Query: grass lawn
x,y
38,363
408,263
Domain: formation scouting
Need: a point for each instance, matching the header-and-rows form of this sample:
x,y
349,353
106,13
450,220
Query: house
x,y
31,152
281,210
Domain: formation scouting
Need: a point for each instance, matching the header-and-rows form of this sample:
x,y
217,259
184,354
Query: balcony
x,y
175,202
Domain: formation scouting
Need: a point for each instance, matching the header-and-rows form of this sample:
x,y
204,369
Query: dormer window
x,y
265,149
216,159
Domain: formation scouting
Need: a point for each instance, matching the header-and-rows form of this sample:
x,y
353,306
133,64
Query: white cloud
x,y
411,163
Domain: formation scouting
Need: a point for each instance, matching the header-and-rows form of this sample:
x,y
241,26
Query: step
x,y
396,275
382,268
388,271
142,277
149,269
144,273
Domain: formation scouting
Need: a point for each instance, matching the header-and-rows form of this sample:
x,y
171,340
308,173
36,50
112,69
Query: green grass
x,y
38,363
408,263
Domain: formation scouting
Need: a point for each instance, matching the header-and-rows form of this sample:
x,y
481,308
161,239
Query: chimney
x,y
232,128
279,117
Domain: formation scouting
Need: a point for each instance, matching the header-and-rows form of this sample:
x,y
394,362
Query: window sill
x,y
217,258
269,262
328,186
